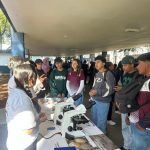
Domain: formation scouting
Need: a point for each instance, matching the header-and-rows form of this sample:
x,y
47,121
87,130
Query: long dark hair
x,y
22,74
79,66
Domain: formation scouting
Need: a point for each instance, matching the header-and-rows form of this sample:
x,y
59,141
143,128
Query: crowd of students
x,y
135,125
30,81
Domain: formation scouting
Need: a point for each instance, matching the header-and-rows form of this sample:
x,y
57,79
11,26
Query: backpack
x,y
105,74
126,98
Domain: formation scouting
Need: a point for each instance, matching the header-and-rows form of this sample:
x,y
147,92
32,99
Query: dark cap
x,y
128,60
144,57
99,57
38,61
58,60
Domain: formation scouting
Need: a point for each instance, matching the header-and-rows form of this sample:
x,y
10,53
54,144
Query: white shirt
x,y
79,90
20,115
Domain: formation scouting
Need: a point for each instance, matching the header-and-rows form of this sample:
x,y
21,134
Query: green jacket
x,y
57,82
127,78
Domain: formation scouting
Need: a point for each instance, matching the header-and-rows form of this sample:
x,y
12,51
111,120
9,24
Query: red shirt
x,y
144,98
75,78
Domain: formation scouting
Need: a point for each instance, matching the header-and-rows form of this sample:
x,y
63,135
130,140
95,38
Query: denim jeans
x,y
126,133
79,101
141,139
99,114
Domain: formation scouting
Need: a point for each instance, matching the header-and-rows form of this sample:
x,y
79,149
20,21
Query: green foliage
x,y
4,25
5,32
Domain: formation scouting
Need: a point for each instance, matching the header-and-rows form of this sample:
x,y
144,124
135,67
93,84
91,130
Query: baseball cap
x,y
144,57
128,60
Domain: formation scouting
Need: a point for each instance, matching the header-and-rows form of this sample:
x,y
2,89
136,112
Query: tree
x,y
4,28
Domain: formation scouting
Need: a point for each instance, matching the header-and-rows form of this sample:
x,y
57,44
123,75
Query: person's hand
x,y
42,78
117,88
42,117
139,127
127,120
92,92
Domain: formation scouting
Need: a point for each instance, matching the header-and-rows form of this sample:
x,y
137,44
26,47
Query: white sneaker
x,y
117,112
112,123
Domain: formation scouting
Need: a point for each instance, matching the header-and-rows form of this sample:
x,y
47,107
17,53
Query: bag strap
x,y
105,73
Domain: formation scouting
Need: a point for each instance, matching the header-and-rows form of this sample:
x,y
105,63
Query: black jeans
x,y
109,117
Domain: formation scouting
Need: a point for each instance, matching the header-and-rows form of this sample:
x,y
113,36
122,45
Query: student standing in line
x,y
101,93
39,69
45,67
22,118
58,79
85,68
92,72
41,76
128,63
140,119
75,81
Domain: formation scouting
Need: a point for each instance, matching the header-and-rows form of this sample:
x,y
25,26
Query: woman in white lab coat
x,y
22,118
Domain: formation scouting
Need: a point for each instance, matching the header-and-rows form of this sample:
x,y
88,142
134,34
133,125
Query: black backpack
x,y
126,98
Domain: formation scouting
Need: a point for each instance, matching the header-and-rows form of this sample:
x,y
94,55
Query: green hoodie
x,y
58,82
